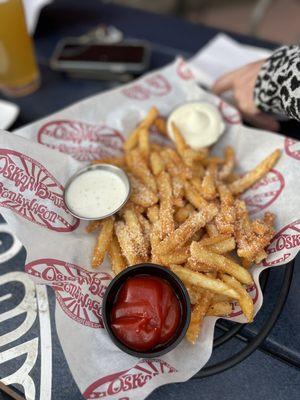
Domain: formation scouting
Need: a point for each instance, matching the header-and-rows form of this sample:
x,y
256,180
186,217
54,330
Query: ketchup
x,y
146,313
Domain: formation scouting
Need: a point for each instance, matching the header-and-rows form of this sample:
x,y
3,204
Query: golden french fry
x,y
127,246
116,258
211,229
166,203
245,300
218,263
194,197
198,313
179,140
103,242
201,280
227,168
185,231
246,263
156,163
244,183
140,194
208,241
133,139
183,213
117,161
208,187
176,257
139,168
223,247
219,309
220,298
153,214
135,232
144,144
225,220
93,226
161,125
195,293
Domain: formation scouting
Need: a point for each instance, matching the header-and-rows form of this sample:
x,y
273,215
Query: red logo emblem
x,y
84,142
229,113
284,244
153,86
79,292
136,377
184,71
28,189
264,192
236,309
292,148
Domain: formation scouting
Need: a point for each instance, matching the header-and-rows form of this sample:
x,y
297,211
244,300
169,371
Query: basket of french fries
x,y
215,217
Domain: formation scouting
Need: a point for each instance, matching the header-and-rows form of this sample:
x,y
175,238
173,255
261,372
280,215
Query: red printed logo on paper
x,y
284,246
264,192
236,309
28,189
229,113
292,148
184,71
119,383
153,86
78,292
84,142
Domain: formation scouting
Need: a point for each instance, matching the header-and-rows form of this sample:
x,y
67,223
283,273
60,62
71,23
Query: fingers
x,y
262,121
225,82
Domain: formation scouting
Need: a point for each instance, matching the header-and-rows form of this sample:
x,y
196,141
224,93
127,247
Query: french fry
x,y
176,257
156,163
227,168
219,309
194,197
183,213
161,125
153,214
103,242
178,191
135,232
126,244
223,247
93,226
220,298
195,293
198,313
133,139
208,241
225,220
139,168
117,161
185,231
212,229
248,180
203,281
208,187
116,258
179,140
218,263
141,195
245,300
166,203
144,144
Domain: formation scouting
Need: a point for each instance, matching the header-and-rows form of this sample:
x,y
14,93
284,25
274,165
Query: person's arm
x,y
277,87
271,85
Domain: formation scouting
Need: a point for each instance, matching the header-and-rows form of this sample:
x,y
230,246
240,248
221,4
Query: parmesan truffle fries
x,y
185,213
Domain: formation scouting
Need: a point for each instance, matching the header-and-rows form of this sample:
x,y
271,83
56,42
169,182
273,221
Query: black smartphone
x,y
73,56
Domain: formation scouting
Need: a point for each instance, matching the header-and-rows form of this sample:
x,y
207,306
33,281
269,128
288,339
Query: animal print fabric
x,y
277,87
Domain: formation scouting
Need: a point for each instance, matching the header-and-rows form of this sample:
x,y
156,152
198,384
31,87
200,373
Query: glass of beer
x,y
19,74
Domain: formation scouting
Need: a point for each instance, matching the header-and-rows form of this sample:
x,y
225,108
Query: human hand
x,y
241,82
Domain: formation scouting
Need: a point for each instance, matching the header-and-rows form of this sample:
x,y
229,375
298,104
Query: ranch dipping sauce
x,y
200,124
96,193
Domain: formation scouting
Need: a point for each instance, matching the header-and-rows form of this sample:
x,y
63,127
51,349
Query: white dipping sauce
x,y
200,124
95,193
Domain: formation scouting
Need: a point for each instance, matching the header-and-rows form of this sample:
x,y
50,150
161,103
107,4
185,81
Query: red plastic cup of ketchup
x,y
146,310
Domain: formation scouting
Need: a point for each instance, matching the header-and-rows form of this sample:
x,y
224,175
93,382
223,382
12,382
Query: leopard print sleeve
x,y
277,87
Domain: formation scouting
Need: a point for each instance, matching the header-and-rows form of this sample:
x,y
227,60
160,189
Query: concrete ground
x,y
281,21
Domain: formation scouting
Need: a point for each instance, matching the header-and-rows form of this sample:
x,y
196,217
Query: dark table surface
x,y
261,375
